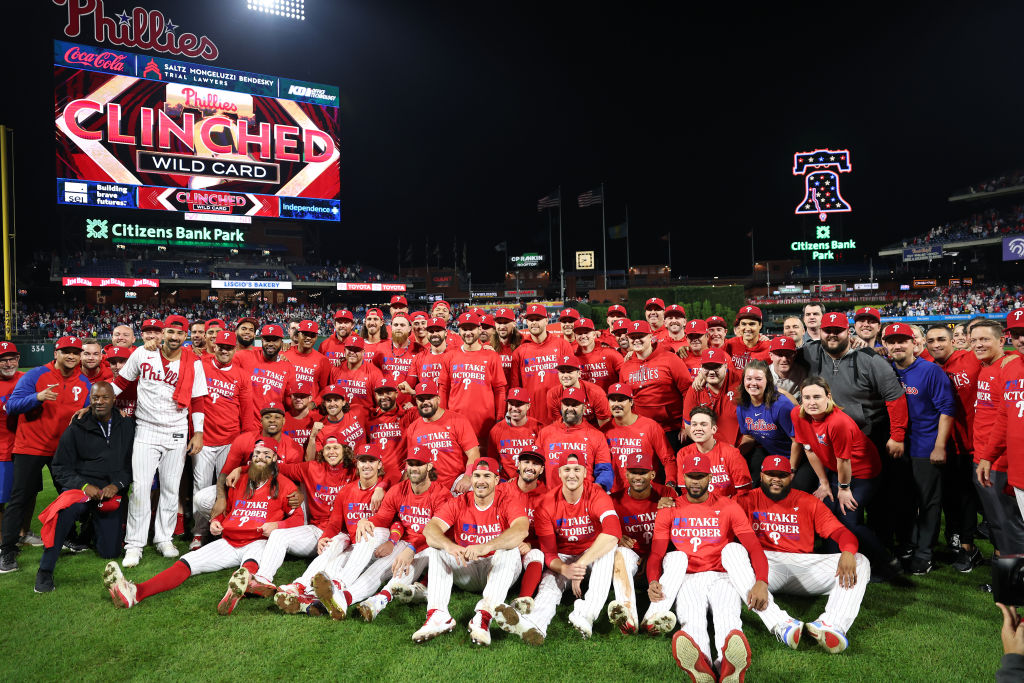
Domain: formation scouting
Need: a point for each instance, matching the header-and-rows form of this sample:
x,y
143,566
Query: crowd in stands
x,y
983,225
987,300
1011,179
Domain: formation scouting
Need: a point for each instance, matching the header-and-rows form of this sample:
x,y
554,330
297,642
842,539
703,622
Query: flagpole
x,y
627,245
604,238
670,255
399,258
561,250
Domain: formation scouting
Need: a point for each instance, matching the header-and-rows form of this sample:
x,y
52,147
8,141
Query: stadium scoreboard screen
x,y
141,132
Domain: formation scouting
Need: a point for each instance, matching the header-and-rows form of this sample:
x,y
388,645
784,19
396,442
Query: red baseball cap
x,y
427,387
715,321
272,407
570,458
373,451
868,312
696,327
440,302
374,311
749,313
1015,319
469,320
331,390
418,315
713,357
215,321
487,320
309,326
487,464
532,452
619,389
271,331
782,344
332,439
269,445
638,328
620,325
696,464
519,395
831,321
583,324
387,383
151,324
654,303
247,319
776,463
897,330
300,387
179,321
354,341
8,349
505,314
418,454
641,460
569,315
437,324
568,362
617,310
344,314
122,352
573,394
110,504
535,311
68,343
400,300
675,311
227,338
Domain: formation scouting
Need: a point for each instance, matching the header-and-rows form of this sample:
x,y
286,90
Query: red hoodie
x,y
41,423
659,383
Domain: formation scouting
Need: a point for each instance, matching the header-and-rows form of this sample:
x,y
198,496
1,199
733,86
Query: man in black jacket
x,y
94,456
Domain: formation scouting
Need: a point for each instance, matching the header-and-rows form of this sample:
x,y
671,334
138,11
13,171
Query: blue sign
x,y
927,253
310,208
92,193
1013,248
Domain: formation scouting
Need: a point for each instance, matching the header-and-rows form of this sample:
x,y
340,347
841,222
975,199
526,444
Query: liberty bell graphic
x,y
821,169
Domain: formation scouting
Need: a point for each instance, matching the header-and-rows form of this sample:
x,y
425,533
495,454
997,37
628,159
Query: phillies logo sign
x,y
146,29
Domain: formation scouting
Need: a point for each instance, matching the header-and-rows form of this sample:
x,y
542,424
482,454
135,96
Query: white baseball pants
x,y
492,575
552,586
147,459
699,592
299,540
330,561
622,581
206,464
220,554
1019,494
673,571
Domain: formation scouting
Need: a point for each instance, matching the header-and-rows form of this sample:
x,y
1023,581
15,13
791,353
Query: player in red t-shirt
x,y
749,345
428,363
786,521
729,472
716,332
674,333
472,381
595,401
599,364
387,425
658,378
339,420
715,387
628,434
694,579
573,434
333,347
257,505
9,376
310,365
298,422
517,431
270,373
532,489
505,339
474,542
637,506
443,435
696,342
533,363
357,376
375,335
397,355
577,530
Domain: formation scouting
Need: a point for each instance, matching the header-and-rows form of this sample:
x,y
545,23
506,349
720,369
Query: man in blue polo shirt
x,y
930,409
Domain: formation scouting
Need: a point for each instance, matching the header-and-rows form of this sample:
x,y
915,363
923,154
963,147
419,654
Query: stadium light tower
x,y
286,9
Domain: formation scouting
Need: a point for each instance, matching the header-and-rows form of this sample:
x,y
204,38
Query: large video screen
x,y
141,132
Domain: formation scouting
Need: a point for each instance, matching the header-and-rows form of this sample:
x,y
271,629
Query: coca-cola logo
x,y
106,60
146,29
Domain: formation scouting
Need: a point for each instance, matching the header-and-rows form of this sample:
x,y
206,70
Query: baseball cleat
x,y
581,624
523,605
789,632
417,592
237,584
132,557
196,544
508,620
438,622
690,659
735,658
829,637
260,587
167,549
293,588
658,624
288,602
372,606
480,628
619,615
122,591
331,595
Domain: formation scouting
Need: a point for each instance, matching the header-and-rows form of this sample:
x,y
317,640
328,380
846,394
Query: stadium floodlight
x,y
287,9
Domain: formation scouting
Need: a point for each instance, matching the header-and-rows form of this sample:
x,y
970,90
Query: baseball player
x,y
386,427
573,434
619,328
356,376
270,373
258,506
171,386
728,469
374,334
599,364
116,357
398,306
397,355
674,336
533,363
693,578
9,376
310,365
211,329
428,363
577,530
245,333
93,367
529,486
654,313
716,332
867,324
472,381
517,431
716,387
605,337
339,420
567,319
196,338
696,342
786,521
595,402
628,434
637,506
786,372
298,421
749,343
419,320
446,436
474,542
333,347
506,339
228,406
443,310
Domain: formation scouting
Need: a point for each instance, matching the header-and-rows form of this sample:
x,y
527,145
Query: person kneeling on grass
x,y
257,504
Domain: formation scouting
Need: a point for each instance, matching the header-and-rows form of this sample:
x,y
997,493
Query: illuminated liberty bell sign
x,y
821,169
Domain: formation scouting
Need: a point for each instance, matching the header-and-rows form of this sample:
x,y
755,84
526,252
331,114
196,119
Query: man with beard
x,y
211,329
487,327
374,334
508,437
93,367
506,339
867,323
258,505
533,363
334,346
716,387
786,372
245,334
356,377
298,422
629,434
716,332
786,521
9,376
397,355
339,421
386,427
598,364
310,365
654,313
528,486
269,372
474,541
428,363
443,436
637,507
675,328
613,314
696,342
573,434
293,335
618,333
748,344
197,338
595,402
472,382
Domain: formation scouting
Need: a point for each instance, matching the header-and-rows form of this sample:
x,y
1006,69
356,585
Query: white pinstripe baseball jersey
x,y
156,412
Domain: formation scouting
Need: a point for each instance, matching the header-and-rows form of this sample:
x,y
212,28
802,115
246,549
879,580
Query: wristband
x,y
84,487
844,487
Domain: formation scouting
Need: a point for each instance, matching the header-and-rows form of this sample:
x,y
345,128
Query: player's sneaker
x,y
510,621
523,605
690,659
417,592
9,562
480,628
167,549
44,582
582,625
789,632
260,587
132,556
122,591
372,606
237,584
621,616
735,658
967,560
32,539
331,594
658,624
290,603
438,622
919,567
829,637
196,544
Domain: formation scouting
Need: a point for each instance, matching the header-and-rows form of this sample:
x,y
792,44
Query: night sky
x,y
457,117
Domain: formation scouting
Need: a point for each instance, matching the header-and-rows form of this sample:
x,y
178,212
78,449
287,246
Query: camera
x,y
1008,579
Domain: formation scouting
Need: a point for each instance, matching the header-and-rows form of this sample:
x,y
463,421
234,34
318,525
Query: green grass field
x,y
944,629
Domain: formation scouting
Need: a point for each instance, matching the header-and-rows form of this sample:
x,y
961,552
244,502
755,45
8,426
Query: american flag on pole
x,y
552,201
591,198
